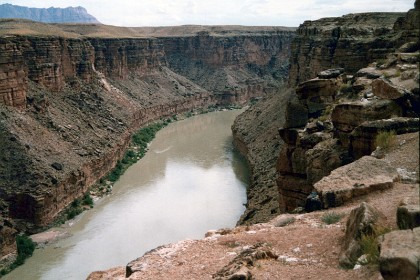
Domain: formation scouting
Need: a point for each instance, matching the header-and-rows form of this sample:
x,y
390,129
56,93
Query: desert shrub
x,y
331,218
346,88
370,246
73,212
75,203
385,139
25,246
87,200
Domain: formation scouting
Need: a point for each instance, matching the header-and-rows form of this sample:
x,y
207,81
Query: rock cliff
x,y
341,115
328,122
349,42
69,102
50,15
313,143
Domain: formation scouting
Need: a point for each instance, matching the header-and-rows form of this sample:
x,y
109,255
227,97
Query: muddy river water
x,y
190,181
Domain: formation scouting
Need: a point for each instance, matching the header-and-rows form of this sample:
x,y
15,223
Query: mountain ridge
x,y
48,15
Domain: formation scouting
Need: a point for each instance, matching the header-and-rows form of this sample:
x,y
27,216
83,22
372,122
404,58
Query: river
x,y
190,181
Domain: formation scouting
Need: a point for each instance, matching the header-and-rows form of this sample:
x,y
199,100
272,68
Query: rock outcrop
x,y
408,216
50,15
358,178
363,220
13,85
336,115
351,42
400,254
316,144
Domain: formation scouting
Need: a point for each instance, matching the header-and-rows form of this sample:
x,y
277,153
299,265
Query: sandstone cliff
x,y
347,44
335,118
69,103
329,120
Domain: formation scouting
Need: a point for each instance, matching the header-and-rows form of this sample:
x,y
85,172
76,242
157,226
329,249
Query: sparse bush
x,y
346,88
331,218
380,62
25,248
385,139
87,200
73,212
370,246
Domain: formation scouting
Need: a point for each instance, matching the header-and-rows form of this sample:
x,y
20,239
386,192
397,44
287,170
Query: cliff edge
x,y
354,195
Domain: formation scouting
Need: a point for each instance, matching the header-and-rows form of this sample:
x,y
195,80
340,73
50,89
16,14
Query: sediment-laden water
x,y
189,182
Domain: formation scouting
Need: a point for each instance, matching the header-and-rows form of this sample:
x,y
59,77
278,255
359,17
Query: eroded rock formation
x,y
69,104
340,115
351,42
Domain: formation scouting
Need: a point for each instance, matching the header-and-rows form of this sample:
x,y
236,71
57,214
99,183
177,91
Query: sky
x,y
218,12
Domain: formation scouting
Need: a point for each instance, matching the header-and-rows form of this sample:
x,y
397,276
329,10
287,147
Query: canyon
x,y
312,153
72,95
323,93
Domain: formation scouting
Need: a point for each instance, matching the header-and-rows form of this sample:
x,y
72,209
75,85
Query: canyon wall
x,y
69,104
306,149
337,109
236,67
349,42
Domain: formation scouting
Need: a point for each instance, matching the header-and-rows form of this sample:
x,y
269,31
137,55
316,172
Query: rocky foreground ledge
x,y
293,246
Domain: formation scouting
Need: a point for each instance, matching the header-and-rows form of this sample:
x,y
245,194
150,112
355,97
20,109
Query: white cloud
x,y
244,12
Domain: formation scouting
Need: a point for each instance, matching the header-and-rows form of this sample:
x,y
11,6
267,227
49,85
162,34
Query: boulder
x,y
317,88
400,255
361,83
324,158
330,73
369,72
293,191
408,216
313,203
309,141
57,166
358,178
296,114
283,220
289,135
362,138
363,220
315,94
386,90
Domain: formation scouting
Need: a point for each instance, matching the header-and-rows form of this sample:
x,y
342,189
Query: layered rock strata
x,y
335,118
69,105
350,42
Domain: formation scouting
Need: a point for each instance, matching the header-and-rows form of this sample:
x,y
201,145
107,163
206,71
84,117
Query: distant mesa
x,y
50,15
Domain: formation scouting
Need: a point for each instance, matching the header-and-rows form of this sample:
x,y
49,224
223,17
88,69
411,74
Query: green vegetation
x,y
138,149
370,247
385,139
326,114
346,88
331,218
25,248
